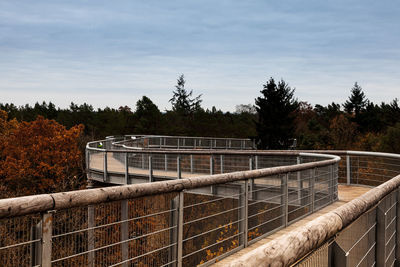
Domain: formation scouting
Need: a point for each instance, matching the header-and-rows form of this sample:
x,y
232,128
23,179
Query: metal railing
x,y
179,142
363,232
178,222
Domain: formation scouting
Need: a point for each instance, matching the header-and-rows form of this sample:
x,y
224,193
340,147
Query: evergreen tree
x,y
357,101
182,101
275,109
149,117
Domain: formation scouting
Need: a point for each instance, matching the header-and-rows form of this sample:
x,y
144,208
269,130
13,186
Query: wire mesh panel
x,y
373,170
299,194
322,187
268,161
356,244
368,241
266,207
319,257
137,232
232,163
213,224
20,241
95,160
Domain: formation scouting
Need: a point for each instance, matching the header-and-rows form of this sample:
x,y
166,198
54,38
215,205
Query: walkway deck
x,y
346,194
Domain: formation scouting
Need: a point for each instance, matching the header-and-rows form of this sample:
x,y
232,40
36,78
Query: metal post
x,y
160,142
284,199
348,170
339,257
105,167
178,167
256,162
380,235
194,146
126,168
87,159
91,237
36,248
151,179
142,160
173,224
330,184
124,232
166,162
312,189
213,187
178,143
184,142
243,213
299,182
251,181
47,231
397,262
221,159
180,229
191,163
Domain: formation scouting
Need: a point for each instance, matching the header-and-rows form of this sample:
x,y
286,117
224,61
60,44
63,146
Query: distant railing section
x,y
180,142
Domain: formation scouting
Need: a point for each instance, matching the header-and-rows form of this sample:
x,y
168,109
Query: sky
x,y
111,53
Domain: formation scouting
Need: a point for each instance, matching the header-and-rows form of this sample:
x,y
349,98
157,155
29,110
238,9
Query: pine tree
x,y
357,100
182,101
275,109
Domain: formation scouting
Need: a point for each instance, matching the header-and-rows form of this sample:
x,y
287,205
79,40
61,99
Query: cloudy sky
x,y
110,53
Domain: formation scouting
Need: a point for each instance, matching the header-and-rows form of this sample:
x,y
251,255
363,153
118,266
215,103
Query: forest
x,y
42,146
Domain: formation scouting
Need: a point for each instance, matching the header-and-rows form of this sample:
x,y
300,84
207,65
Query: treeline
x,y
277,120
41,146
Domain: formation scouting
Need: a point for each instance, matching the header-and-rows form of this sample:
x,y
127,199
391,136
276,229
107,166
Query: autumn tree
x,y
343,132
275,109
41,156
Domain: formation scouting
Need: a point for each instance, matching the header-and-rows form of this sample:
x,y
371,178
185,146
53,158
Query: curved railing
x,y
201,205
363,232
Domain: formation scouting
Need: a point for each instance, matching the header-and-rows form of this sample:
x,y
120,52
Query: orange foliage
x,y
41,156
